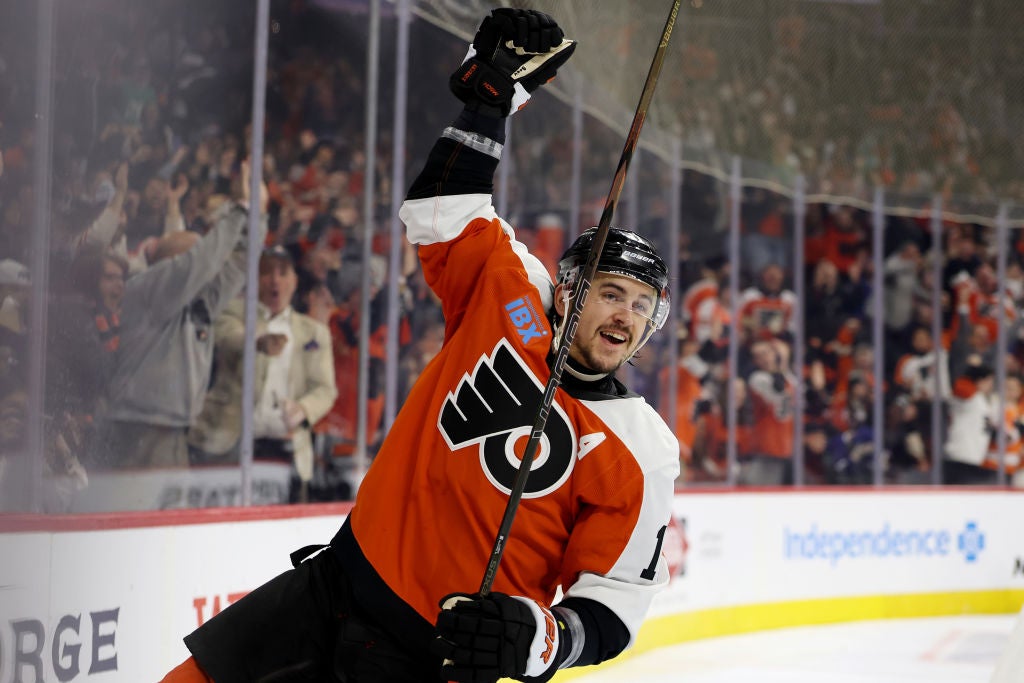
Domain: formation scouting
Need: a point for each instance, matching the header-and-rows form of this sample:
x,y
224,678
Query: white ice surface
x,y
932,650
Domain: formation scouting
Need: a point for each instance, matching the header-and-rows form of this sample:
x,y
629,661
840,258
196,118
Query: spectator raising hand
x,y
177,191
246,188
167,330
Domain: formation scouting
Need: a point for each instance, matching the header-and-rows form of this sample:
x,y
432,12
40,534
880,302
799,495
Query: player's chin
x,y
611,363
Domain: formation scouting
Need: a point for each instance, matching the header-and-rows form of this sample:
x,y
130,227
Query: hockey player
x,y
599,495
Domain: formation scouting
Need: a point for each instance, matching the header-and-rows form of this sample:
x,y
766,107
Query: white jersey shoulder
x,y
642,429
443,218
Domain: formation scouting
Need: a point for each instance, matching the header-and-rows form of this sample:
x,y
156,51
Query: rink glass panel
x,y
696,403
112,61
765,317
166,89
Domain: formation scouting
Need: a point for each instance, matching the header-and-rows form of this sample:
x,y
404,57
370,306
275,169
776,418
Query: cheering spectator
x,y
971,344
769,460
923,369
108,228
166,341
972,420
294,377
985,297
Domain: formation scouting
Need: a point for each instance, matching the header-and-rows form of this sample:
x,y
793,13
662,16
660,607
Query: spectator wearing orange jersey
x,y
769,460
704,312
982,296
766,311
711,435
691,371
969,344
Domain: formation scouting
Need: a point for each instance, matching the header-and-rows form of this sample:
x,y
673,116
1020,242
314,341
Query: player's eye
x,y
643,307
611,297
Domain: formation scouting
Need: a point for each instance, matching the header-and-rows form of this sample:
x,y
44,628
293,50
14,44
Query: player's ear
x,y
562,297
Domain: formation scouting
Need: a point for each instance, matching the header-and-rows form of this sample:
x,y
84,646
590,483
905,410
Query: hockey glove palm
x,y
484,639
515,51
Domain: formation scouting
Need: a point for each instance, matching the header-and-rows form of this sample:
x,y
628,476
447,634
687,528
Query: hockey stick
x,y
568,332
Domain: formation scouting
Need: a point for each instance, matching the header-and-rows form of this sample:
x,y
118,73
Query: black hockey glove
x,y
778,382
499,636
515,51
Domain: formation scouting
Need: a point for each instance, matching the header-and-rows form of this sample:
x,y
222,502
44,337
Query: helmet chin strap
x,y
581,372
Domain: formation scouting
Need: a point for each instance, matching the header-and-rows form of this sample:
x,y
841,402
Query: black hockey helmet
x,y
627,254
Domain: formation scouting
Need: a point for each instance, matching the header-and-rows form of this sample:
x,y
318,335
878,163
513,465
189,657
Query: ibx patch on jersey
x,y
524,318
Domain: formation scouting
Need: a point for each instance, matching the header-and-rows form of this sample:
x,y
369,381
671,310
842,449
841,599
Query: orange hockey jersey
x,y
599,495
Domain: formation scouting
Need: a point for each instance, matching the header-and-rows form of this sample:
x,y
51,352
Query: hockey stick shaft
x,y
568,331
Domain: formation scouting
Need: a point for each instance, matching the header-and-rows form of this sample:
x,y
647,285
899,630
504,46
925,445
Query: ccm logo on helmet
x,y
638,257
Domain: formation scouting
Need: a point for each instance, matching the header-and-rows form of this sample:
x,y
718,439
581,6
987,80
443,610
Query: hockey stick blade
x,y
568,332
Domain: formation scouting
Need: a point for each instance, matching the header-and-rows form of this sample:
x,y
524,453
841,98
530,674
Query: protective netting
x,y
916,97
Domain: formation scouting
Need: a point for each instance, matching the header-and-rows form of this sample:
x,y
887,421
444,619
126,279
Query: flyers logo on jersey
x,y
525,319
494,408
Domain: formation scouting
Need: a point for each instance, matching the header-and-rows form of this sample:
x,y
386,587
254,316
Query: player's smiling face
x,y
612,323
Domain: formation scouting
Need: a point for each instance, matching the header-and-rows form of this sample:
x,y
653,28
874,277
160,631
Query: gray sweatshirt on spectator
x,y
163,364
